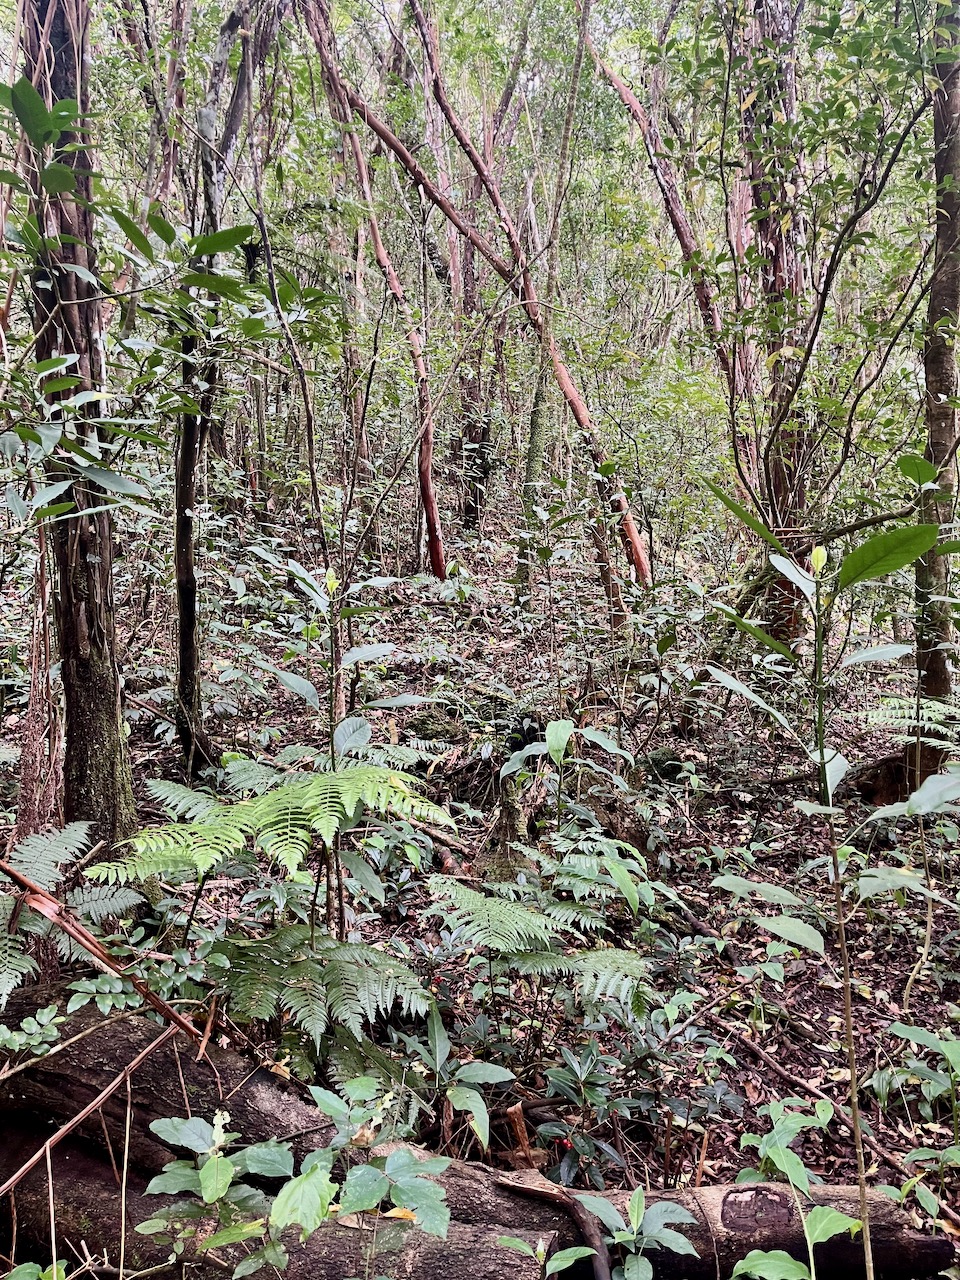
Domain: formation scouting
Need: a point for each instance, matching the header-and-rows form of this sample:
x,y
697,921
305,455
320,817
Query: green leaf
x,y
802,580
223,286
885,553
469,1100
191,1132
360,870
877,653
233,1235
270,1159
636,1209
331,1104
772,1265
731,682
114,482
917,1035
637,1267
31,111
746,517
674,1241
793,930
590,734
758,633
928,1201
221,241
426,1199
603,1210
133,233
566,1258
823,1223
437,1039
215,1178
161,229
934,794
917,469
558,734
622,878
521,1246
367,653
663,1212
177,1177
351,734
57,178
296,684
741,887
363,1189
484,1073
304,1201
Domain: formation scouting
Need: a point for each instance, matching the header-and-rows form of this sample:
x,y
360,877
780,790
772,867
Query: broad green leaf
x,y
732,683
885,553
934,794
469,1100
296,684
758,633
666,1238
191,1132
603,1210
636,1209
351,735
878,653
177,1177
917,1035
802,580
223,286
367,653
662,1213
31,111
878,880
741,887
917,469
622,878
745,516
558,734
426,1199
331,1104
114,482
774,1264
215,1178
270,1159
637,1267
566,1258
484,1073
360,870
161,229
590,734
437,1039
521,1246
57,178
792,930
824,1222
835,765
363,1189
928,1201
304,1201
233,1235
220,241
133,233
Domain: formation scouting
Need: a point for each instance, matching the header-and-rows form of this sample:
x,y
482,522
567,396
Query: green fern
x,y
612,976
42,858
283,823
488,921
15,965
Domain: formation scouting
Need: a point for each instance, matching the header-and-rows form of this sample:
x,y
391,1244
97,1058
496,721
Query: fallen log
x,y
485,1203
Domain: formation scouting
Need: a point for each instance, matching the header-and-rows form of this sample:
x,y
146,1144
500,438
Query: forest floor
x,y
746,1018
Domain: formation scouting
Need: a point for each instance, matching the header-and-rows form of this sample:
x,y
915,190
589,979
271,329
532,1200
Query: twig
x,y
540,1189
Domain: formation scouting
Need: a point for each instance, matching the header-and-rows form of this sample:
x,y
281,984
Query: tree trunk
x,y
67,322
935,629
484,1203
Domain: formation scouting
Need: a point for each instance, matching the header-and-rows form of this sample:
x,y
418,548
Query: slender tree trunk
x,y
67,322
935,628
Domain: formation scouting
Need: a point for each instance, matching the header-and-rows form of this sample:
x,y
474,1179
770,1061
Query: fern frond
x,y
193,848
42,856
102,902
574,916
304,997
542,964
180,801
253,776
359,992
489,922
613,976
15,965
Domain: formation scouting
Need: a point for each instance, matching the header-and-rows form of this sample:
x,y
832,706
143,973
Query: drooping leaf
x,y
824,1222
304,1201
567,1257
803,581
363,1189
741,887
31,111
558,735
885,553
192,1132
747,517
877,653
462,1099
367,653
792,930
215,1178
758,633
221,241
133,233
736,686
774,1264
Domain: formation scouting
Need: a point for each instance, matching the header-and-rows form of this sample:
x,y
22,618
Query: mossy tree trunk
x,y
67,322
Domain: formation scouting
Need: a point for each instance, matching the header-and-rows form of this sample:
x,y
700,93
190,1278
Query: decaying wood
x,y
485,1203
